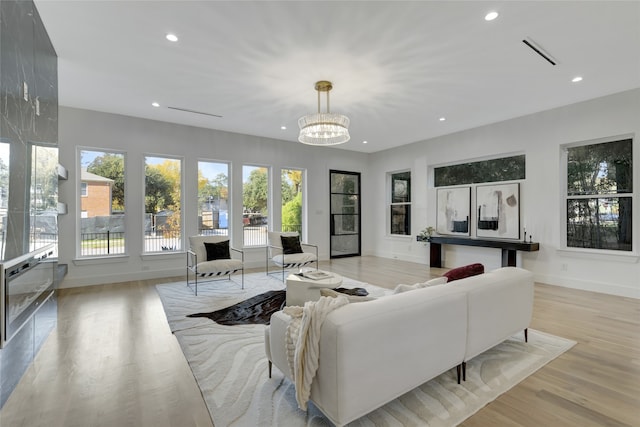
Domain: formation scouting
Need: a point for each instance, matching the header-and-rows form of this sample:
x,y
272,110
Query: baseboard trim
x,y
103,279
585,285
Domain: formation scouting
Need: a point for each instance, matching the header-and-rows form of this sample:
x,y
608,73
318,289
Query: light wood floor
x,y
113,362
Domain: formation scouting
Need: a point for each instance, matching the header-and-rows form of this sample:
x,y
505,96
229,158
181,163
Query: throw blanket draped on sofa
x,y
302,340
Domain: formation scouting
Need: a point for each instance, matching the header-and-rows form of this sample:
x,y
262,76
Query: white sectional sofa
x,y
372,352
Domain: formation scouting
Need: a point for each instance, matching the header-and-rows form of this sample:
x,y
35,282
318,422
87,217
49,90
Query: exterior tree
x,y
158,194
170,170
111,166
603,172
287,192
255,191
292,214
295,177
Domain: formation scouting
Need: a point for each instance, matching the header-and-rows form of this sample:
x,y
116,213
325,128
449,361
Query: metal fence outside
x,y
254,236
107,243
113,242
163,240
292,227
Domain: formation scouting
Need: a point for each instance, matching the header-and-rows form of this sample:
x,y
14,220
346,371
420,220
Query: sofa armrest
x,y
500,305
410,337
276,348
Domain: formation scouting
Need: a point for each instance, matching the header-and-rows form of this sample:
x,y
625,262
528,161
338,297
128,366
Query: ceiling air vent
x,y
540,51
195,112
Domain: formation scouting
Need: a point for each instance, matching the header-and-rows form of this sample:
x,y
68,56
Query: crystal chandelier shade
x,y
323,128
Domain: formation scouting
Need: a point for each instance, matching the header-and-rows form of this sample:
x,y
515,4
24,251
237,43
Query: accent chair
x,y
285,250
211,257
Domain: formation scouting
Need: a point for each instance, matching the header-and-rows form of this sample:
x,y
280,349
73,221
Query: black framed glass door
x,y
345,213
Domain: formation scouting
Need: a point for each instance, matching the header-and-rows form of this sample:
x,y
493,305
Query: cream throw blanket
x,y
303,342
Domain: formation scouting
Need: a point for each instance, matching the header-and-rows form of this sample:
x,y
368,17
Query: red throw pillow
x,y
465,271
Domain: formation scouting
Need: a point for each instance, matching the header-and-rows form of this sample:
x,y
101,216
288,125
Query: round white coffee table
x,y
301,289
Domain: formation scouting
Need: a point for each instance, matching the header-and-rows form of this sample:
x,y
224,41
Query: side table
x,y
301,289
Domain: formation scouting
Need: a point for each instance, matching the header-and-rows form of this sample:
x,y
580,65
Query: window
x,y
162,202
255,201
400,211
599,195
292,188
43,195
213,198
102,204
494,170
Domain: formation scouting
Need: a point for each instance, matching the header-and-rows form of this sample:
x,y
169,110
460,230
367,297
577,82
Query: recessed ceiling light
x,y
491,16
283,127
155,104
172,37
365,142
576,79
442,119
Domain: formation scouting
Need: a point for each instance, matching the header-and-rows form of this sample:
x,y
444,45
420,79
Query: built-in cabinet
x,y
28,132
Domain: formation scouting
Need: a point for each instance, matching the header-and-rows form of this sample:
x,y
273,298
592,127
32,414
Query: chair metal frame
x,y
287,266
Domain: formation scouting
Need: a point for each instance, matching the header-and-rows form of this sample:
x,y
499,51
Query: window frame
x,y
565,198
229,191
303,184
81,214
269,203
393,178
181,240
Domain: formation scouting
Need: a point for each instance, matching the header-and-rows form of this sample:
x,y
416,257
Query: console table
x,y
509,248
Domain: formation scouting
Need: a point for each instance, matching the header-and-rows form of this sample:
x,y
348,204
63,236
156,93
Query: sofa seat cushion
x,y
219,267
464,271
294,260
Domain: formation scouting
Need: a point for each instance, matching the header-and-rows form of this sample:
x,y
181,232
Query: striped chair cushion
x,y
219,267
294,260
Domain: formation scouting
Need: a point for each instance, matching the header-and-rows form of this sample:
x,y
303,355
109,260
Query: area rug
x,y
253,311
258,310
230,366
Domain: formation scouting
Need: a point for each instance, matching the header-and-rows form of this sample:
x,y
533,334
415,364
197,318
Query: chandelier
x,y
323,128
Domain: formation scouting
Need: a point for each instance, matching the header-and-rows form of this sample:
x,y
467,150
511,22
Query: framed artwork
x,y
498,210
454,211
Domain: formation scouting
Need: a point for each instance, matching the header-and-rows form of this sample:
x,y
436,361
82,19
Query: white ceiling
x,y
396,67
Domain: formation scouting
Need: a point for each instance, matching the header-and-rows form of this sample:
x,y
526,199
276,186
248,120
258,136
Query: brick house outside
x,y
95,195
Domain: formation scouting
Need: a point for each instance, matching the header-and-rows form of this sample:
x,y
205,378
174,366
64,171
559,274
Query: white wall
x,y
138,137
539,136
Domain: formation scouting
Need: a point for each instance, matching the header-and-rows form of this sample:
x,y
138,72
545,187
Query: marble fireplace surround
x,y
28,122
